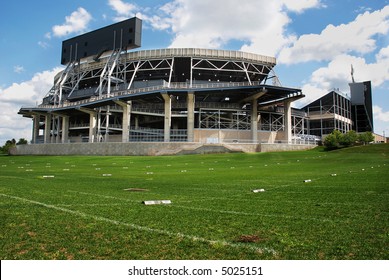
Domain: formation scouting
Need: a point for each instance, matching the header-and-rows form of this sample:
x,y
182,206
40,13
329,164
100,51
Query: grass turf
x,y
74,207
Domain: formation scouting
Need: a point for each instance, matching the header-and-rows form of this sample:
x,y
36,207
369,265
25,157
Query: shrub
x,y
338,140
333,140
349,139
366,137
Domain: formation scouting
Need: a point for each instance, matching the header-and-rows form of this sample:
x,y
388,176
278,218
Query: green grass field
x,y
84,211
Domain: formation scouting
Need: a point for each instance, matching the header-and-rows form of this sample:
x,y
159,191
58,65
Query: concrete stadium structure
x,y
190,98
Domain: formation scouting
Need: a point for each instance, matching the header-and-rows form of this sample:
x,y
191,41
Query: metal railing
x,y
162,87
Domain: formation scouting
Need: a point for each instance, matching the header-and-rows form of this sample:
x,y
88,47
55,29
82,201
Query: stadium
x,y
168,101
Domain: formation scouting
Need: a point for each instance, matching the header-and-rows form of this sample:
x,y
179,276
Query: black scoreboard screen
x,y
125,35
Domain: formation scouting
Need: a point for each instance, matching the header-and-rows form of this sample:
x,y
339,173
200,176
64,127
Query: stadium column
x,y
65,129
190,118
47,137
254,112
168,116
288,121
92,122
35,128
254,120
125,120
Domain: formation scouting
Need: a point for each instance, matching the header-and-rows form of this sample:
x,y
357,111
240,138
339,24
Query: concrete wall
x,y
231,136
284,147
148,149
104,149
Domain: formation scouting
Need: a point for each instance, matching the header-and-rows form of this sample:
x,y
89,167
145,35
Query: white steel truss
x,y
119,70
224,119
247,68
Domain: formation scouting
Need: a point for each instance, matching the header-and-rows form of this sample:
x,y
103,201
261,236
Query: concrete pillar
x,y
35,128
92,127
65,129
125,120
57,136
168,116
288,121
47,136
92,123
136,122
254,120
190,119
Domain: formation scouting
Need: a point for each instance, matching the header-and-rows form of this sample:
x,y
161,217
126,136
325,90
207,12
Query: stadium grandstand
x,y
110,93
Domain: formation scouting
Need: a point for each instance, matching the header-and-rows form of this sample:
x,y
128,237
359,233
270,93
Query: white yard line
x,y
106,196
143,228
220,211
252,214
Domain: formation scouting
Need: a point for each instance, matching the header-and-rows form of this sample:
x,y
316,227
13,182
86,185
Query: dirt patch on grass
x,y
249,238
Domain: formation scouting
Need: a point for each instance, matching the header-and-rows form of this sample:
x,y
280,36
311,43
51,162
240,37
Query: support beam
x,y
65,129
125,120
190,120
254,120
288,121
47,135
57,121
167,116
254,96
92,123
35,128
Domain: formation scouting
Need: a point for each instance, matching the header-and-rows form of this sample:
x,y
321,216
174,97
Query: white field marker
x,y
258,190
156,202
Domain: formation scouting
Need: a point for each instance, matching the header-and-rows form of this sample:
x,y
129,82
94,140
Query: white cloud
x,y
156,22
337,74
43,45
27,93
381,120
302,5
75,23
122,8
357,36
204,23
18,69
380,115
212,24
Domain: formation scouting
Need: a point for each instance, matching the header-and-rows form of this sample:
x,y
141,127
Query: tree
x,y
333,140
12,143
366,137
349,139
22,141
8,144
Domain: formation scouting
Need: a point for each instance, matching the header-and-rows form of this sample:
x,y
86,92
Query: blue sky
x,y
315,42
